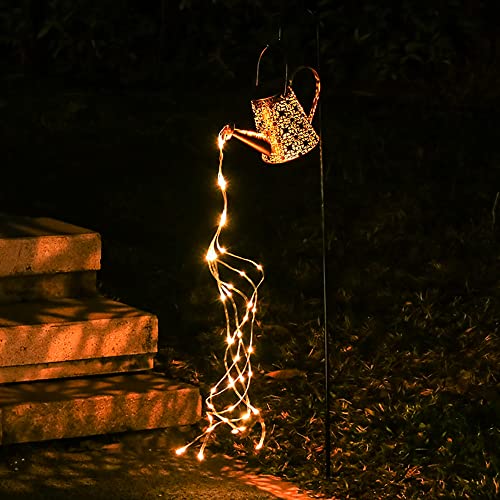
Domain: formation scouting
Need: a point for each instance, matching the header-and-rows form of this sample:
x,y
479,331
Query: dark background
x,y
165,43
110,111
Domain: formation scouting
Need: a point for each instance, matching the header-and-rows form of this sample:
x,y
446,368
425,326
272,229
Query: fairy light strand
x,y
228,401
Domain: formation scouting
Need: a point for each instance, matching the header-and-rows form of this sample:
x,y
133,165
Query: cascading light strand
x,y
238,279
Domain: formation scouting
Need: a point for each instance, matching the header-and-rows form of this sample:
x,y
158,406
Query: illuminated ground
x,y
129,467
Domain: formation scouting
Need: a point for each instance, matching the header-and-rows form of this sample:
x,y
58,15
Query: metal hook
x,y
258,70
258,65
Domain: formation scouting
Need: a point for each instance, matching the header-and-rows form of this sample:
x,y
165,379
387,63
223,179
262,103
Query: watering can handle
x,y
318,88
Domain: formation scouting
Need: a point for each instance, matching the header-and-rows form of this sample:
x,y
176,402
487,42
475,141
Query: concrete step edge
x,y
38,411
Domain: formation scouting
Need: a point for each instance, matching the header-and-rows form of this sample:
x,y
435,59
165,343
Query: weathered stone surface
x,y
56,409
46,246
73,329
47,286
79,368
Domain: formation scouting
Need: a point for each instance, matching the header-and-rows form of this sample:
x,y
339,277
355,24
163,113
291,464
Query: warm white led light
x,y
211,255
221,141
221,181
223,219
239,301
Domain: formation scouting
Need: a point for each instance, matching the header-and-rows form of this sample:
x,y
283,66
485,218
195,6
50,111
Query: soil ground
x,y
130,466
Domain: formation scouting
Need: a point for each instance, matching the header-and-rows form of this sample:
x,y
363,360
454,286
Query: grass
x,y
413,271
415,356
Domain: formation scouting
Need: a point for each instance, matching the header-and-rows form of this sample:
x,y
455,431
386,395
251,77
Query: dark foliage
x,y
449,46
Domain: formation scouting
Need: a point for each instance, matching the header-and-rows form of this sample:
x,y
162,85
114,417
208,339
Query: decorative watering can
x,y
284,130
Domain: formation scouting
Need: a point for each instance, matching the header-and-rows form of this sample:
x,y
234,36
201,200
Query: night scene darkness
x,y
250,249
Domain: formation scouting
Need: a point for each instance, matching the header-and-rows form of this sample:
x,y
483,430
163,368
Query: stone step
x,y
56,409
60,338
47,286
76,368
43,245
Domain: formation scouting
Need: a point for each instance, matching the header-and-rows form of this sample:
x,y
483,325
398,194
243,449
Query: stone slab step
x,y
46,246
72,330
56,409
44,371
47,286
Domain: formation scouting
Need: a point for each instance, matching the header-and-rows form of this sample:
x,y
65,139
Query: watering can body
x,y
284,130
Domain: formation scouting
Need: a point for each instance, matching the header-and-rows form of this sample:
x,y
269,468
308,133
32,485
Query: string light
x,y
238,280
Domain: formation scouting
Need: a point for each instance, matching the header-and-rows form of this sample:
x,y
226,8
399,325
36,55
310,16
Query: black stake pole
x,y
328,444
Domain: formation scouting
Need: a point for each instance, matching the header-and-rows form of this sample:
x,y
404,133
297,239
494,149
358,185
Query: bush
x,y
196,41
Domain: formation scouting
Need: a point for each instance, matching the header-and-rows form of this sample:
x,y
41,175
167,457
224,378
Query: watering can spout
x,y
256,140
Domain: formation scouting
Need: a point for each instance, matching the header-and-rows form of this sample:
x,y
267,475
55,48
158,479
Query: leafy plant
x,y
361,42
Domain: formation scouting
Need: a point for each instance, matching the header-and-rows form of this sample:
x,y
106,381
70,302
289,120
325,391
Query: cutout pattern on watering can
x,y
282,120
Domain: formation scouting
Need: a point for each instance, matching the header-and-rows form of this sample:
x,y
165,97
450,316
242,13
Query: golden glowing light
x,y
238,280
211,255
223,219
221,181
